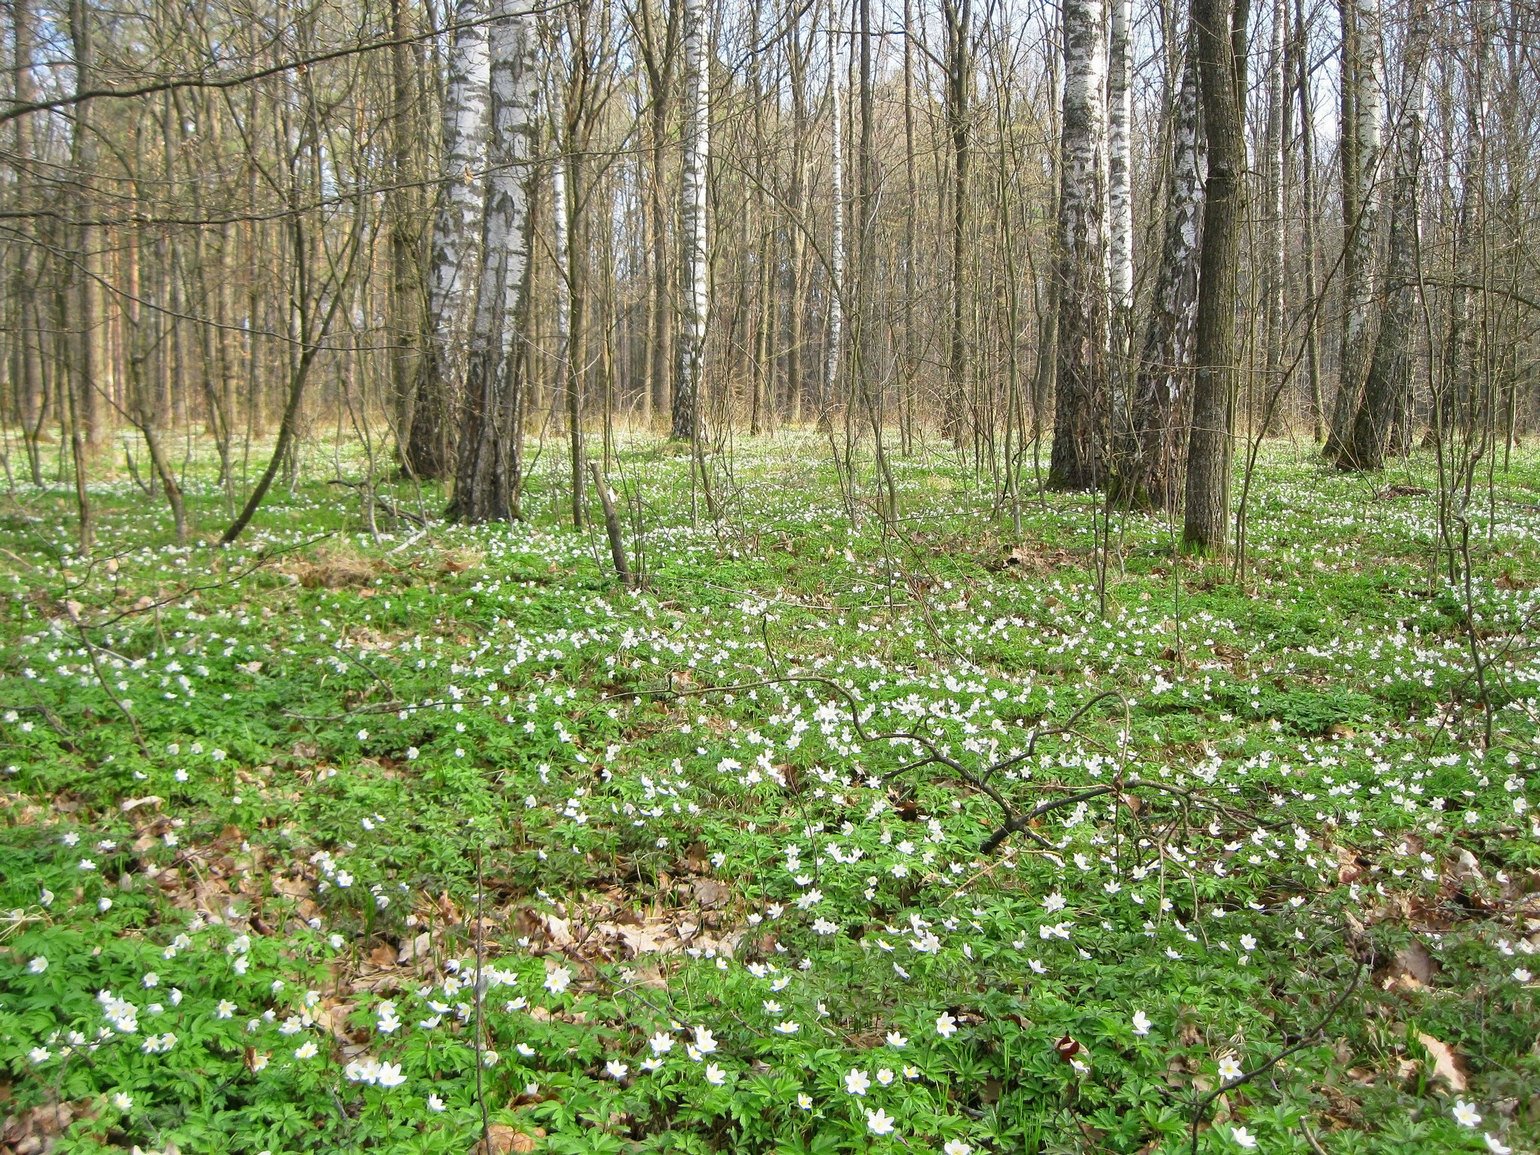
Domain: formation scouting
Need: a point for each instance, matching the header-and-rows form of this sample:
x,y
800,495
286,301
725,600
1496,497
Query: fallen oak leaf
x,y
1446,1064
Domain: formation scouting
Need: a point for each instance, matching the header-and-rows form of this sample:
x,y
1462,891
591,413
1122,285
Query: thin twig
x,y
1309,1040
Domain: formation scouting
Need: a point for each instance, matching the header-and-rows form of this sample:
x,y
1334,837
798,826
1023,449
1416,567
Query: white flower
x,y
306,1050
1053,902
39,1055
390,1075
715,1075
885,1076
857,1081
1520,975
804,1101
435,1103
705,1041
660,1043
946,1025
558,980
896,1040
1229,1069
789,1027
878,1122
1465,1114
1141,1023
1243,1137
615,1069
123,1101
957,1147
38,965
1497,1146
225,1009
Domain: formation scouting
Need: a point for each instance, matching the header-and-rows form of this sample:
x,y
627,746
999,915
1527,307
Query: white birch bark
x,y
1120,200
837,231
1080,411
1272,184
1387,389
696,296
457,223
455,260
1152,463
486,474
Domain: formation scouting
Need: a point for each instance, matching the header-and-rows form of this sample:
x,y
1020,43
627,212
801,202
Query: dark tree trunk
x,y
1221,44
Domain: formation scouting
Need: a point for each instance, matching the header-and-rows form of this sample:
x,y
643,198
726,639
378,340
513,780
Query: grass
x,y
438,839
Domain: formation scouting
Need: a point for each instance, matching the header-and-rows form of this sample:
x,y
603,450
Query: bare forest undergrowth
x,y
918,833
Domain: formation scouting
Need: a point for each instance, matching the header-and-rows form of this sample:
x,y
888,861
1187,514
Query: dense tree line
x,y
1089,245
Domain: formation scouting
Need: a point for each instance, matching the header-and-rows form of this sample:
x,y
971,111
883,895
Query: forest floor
x,y
933,836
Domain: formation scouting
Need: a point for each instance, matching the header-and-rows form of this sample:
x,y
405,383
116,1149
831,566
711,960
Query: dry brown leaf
x,y
415,948
1446,1064
1465,868
501,1139
1412,969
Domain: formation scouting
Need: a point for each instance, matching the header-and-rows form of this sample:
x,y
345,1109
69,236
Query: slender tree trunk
x,y
1120,206
1080,412
405,300
1307,174
687,410
835,339
958,15
657,41
1273,222
1221,47
87,379
1362,101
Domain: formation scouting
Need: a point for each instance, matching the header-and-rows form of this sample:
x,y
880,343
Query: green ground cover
x,y
437,837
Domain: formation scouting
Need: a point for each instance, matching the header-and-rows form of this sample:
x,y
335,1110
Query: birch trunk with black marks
x,y
1152,461
1389,380
488,455
454,265
836,334
696,290
1080,412
1120,202
1273,222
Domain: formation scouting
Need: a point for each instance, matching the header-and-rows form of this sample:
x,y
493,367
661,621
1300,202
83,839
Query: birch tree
x,y
1273,222
1388,385
489,449
835,339
1153,459
957,15
455,260
1080,414
1120,197
697,153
